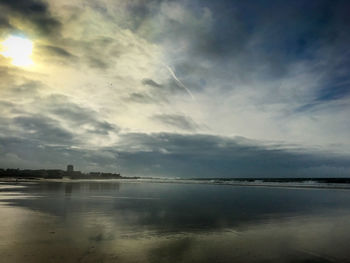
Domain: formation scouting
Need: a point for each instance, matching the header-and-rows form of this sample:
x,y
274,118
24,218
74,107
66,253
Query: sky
x,y
184,88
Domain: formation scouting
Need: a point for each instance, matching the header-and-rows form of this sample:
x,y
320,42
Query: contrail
x,y
179,82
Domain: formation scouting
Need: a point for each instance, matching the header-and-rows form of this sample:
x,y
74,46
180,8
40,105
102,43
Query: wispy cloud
x,y
119,77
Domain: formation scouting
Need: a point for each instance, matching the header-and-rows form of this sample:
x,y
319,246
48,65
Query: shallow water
x,y
169,222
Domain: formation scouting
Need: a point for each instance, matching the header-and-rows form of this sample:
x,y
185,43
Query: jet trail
x,y
179,82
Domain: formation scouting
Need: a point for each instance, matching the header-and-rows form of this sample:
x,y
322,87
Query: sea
x,y
171,221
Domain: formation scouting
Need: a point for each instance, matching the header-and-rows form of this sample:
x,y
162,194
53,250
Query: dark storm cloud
x,y
176,121
47,128
27,153
166,154
77,116
35,12
213,156
61,106
43,129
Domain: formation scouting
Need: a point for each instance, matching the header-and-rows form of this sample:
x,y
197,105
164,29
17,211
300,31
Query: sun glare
x,y
19,50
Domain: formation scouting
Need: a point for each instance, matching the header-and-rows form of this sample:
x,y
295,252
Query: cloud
x,y
212,156
176,121
101,83
43,130
77,116
142,98
57,51
4,23
33,12
151,83
176,155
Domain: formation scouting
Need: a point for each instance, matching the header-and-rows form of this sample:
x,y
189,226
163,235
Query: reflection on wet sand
x,y
129,222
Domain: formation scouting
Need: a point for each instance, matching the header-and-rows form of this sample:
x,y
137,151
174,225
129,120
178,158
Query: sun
x,y
19,50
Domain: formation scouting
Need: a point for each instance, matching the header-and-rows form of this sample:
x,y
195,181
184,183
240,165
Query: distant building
x,y
54,174
70,168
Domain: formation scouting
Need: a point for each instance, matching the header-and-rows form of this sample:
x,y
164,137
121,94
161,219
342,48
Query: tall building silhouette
x,y
70,168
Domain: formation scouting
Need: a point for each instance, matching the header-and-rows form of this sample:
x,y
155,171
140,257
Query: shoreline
x,y
306,185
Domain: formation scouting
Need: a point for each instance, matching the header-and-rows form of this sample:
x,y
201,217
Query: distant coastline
x,y
18,175
28,174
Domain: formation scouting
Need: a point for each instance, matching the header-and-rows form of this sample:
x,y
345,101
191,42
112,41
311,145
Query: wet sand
x,y
127,222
